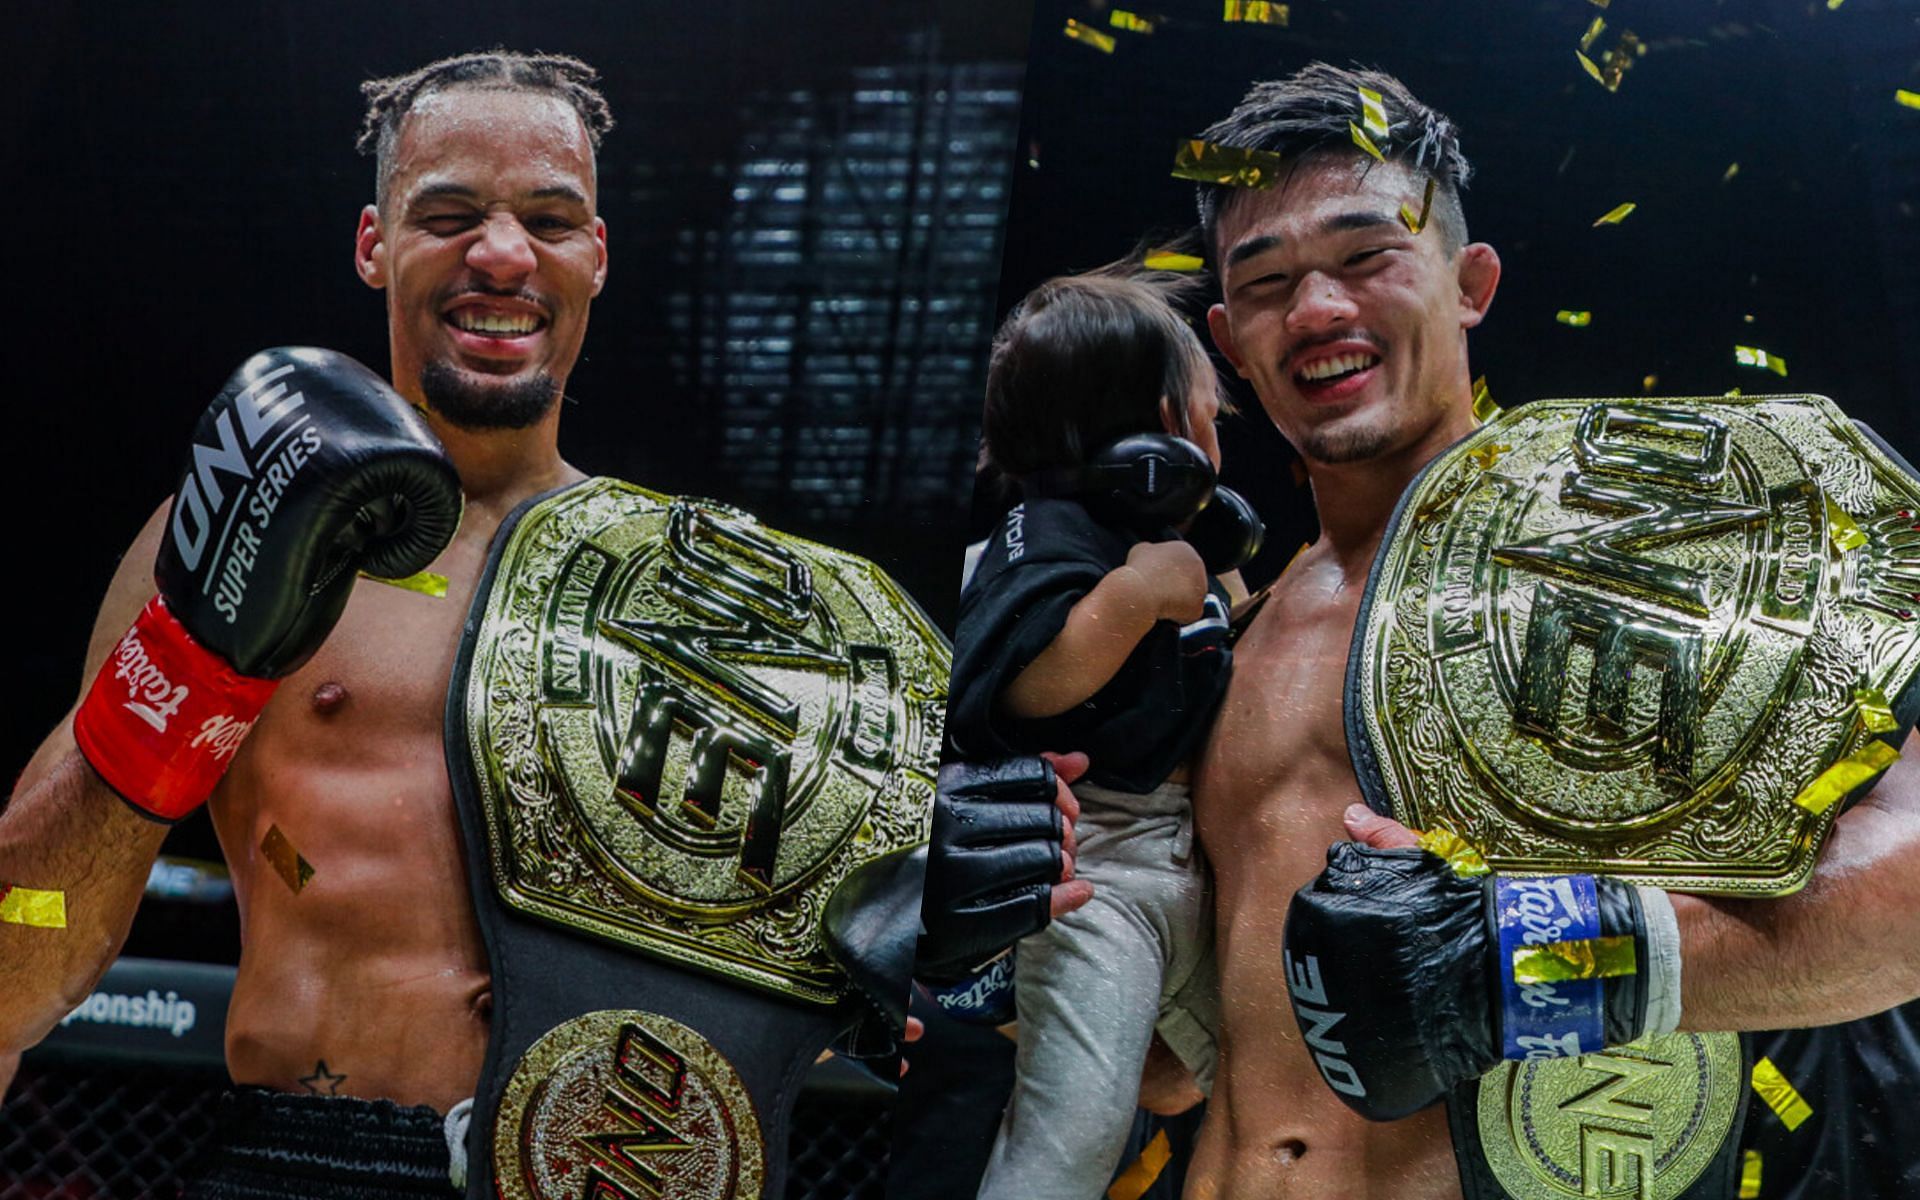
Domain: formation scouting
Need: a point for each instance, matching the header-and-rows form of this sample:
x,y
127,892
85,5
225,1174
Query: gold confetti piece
x,y
1484,409
1844,776
1256,12
1749,1175
1578,958
1205,162
1747,317
1087,35
1730,394
1876,715
285,860
1753,356
1489,454
1167,260
1648,383
1842,530
1458,851
1906,99
1413,223
1578,318
1361,140
1616,214
1733,168
38,907
1781,1096
1613,65
1601,3
424,582
1833,4
1593,31
1120,18
1373,113
1133,1182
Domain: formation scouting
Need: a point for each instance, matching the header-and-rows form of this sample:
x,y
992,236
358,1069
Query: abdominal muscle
x,y
371,979
1274,1129
1273,782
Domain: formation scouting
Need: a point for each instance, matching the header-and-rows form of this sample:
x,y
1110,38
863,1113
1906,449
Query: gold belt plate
x,y
1622,636
687,728
1641,1120
626,1104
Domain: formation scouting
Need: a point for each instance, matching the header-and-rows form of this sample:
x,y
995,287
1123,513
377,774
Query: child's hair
x,y
1083,361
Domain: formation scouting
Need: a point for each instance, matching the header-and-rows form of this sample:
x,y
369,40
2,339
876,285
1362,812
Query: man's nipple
x,y
329,698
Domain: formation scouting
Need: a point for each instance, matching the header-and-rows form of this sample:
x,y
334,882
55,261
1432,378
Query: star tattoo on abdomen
x,y
322,1082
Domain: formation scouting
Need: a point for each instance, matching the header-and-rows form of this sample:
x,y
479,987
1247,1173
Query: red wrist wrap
x,y
165,715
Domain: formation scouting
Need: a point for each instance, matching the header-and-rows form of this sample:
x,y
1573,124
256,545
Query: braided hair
x,y
389,100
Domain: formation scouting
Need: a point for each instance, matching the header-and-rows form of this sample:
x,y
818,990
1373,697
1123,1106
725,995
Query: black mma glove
x,y
1402,972
306,469
996,851
1227,533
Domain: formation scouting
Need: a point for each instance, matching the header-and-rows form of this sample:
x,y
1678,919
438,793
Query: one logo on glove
x,y
264,454
1309,1005
626,1106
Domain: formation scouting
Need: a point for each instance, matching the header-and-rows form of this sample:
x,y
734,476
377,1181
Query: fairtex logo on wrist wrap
x,y
1547,1020
146,682
222,734
985,998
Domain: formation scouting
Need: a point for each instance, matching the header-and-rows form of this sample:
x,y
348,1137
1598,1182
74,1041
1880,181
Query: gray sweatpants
x,y
1092,987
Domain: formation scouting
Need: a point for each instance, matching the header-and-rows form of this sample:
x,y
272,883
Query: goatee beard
x,y
481,402
1336,445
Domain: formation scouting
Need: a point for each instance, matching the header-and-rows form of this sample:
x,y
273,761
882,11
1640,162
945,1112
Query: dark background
x,y
1816,239
804,203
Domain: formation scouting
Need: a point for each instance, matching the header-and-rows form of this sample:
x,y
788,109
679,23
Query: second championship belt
x,y
679,740
1665,640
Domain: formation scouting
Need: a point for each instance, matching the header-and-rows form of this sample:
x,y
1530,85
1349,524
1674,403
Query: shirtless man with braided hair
x,y
370,981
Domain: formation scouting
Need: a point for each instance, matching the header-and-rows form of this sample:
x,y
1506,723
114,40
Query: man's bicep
x,y
128,592
132,586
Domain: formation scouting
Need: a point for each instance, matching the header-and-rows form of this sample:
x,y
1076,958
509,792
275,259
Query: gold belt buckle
x,y
687,728
626,1104
1632,637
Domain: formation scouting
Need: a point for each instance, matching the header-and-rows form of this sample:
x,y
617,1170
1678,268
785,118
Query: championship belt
x,y
679,741
1665,640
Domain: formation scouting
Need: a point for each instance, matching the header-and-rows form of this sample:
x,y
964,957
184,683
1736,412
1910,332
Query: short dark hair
x,y
389,100
1307,114
1083,361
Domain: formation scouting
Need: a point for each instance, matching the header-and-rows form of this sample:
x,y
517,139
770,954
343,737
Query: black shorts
x,y
268,1145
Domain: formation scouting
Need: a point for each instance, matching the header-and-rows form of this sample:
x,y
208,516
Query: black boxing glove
x,y
1408,978
306,469
996,850
1227,533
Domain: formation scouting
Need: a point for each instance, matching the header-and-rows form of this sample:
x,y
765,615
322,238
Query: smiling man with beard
x,y
364,1008
1350,322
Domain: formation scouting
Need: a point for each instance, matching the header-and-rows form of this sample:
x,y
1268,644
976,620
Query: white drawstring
x,y
456,1131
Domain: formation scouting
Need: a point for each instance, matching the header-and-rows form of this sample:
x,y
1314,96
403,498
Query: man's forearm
x,y
66,831
1845,947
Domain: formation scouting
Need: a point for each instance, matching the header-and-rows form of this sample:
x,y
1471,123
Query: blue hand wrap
x,y
1548,1020
983,998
